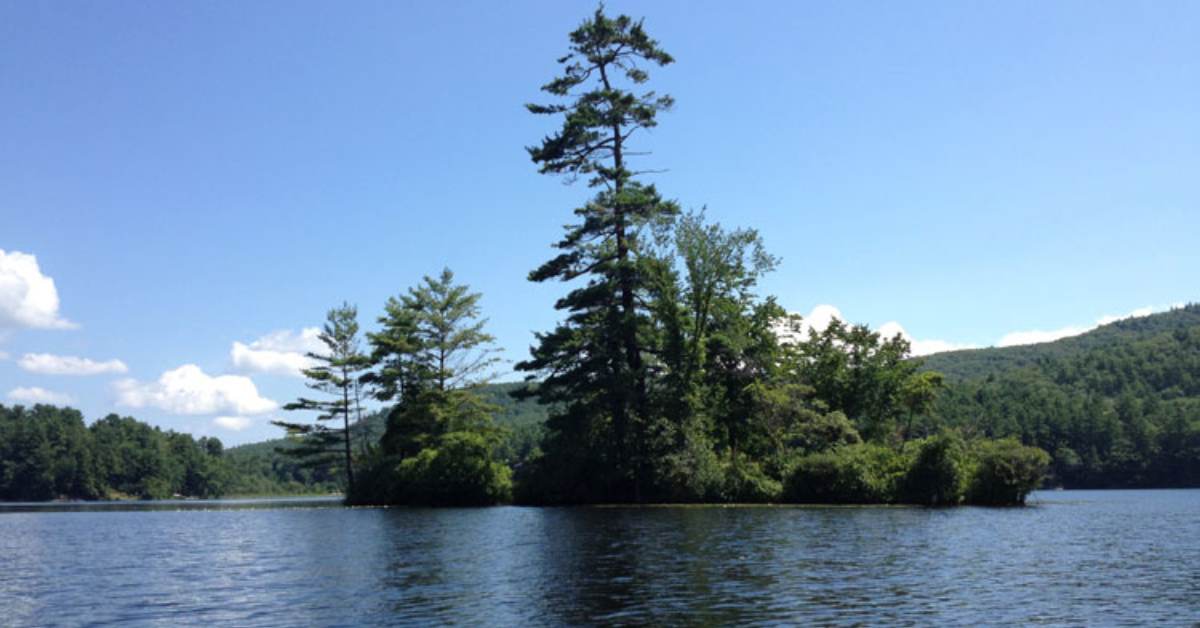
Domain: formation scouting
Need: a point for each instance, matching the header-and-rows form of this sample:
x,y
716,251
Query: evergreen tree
x,y
431,350
336,375
594,361
432,353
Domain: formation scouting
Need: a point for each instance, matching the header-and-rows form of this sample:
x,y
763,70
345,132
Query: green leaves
x,y
48,453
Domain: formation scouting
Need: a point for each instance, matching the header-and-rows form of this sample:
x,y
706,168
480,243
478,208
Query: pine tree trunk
x,y
346,432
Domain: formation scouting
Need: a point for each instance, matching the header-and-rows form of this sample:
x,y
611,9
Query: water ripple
x,y
1117,557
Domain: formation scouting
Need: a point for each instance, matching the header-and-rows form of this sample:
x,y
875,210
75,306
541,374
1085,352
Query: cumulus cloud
x,y
48,364
821,315
1035,336
232,423
816,320
27,297
280,353
921,347
35,395
189,390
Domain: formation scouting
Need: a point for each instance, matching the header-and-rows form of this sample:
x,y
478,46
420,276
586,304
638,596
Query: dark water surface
x,y
1086,557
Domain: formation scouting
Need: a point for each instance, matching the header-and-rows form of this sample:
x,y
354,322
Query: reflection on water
x,y
1073,558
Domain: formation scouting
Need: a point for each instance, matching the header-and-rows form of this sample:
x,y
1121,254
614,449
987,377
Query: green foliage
x,y
691,471
1005,472
593,364
459,472
1117,407
456,470
45,453
440,444
863,473
866,377
939,472
266,469
747,482
48,453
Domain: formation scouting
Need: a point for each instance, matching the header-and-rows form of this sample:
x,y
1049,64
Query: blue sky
x,y
193,175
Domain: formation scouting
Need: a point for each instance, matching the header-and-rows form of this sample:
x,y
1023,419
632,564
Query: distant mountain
x,y
1117,406
974,363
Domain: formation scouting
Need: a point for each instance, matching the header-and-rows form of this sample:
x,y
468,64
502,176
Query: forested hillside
x,y
975,363
51,453
48,452
1118,406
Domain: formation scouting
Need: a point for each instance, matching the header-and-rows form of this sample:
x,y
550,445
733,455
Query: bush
x,y
1005,472
692,473
939,472
854,474
459,472
376,480
746,482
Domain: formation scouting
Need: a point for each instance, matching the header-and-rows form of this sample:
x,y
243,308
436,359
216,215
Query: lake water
x,y
1073,557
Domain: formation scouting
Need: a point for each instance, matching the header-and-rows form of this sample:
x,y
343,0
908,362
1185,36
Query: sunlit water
x,y
1102,557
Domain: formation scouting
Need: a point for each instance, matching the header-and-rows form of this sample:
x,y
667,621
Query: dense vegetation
x,y
1116,407
48,453
429,360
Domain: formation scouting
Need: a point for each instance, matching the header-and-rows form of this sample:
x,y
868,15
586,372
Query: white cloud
x,y
820,317
27,297
48,364
232,423
189,390
279,353
3,355
1035,336
35,395
921,347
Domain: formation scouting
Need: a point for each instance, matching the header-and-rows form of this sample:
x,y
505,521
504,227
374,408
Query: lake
x,y
1072,557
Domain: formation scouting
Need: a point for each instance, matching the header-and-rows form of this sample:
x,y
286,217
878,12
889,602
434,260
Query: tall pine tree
x,y
593,364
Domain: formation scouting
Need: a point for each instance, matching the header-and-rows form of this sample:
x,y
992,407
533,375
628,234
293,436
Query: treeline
x,y
49,453
668,377
970,364
273,467
259,469
1125,413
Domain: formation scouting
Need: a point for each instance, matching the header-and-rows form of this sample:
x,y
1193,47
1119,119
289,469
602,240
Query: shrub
x,y
854,474
693,473
746,482
939,472
460,471
376,480
1005,472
